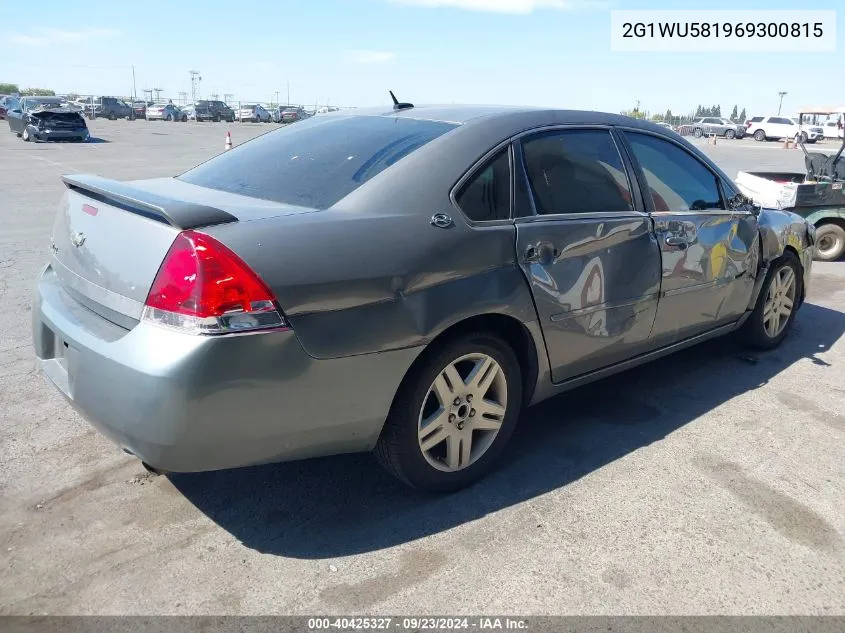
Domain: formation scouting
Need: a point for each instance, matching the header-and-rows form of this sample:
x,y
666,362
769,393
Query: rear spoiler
x,y
177,213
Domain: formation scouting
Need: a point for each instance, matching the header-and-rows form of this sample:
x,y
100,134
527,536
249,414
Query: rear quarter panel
x,y
354,284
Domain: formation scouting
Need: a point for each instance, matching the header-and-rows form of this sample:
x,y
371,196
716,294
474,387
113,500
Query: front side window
x,y
487,196
317,162
576,171
677,180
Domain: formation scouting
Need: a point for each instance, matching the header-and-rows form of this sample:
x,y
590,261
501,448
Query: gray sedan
x,y
717,126
402,281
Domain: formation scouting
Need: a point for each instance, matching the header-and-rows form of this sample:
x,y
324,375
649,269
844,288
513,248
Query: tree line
x,y
6,89
683,119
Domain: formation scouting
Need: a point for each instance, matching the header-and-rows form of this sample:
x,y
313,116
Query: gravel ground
x,y
711,482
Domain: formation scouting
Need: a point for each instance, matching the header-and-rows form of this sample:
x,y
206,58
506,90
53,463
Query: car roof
x,y
502,118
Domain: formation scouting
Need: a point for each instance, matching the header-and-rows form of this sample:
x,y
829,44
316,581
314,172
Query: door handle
x,y
677,240
544,253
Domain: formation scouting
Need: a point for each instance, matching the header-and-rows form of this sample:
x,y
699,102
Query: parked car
x,y
189,113
254,113
3,101
808,133
492,251
291,114
140,108
766,128
113,108
213,111
90,108
707,126
833,128
46,119
164,112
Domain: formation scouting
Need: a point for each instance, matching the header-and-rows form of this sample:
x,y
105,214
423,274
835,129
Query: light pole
x,y
781,95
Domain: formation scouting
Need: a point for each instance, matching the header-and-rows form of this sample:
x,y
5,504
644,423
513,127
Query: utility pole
x,y
148,93
183,97
195,85
277,98
134,91
781,95
288,103
227,97
158,92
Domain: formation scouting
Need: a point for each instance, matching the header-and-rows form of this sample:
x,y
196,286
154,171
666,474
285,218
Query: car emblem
x,y
441,220
77,239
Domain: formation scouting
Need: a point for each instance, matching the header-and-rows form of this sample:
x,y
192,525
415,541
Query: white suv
x,y
764,128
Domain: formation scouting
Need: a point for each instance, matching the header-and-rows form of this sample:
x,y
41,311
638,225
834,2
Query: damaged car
x,y
47,119
404,281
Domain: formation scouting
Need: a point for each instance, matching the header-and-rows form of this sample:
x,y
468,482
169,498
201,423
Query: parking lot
x,y
708,482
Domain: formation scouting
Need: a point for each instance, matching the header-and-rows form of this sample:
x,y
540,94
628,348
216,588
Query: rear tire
x,y
760,135
112,117
779,300
830,242
442,443
698,132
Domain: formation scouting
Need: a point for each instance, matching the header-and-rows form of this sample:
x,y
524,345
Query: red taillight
x,y
204,287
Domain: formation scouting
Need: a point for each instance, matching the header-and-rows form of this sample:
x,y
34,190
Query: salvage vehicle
x,y
817,195
254,113
716,126
213,111
404,281
46,119
165,112
113,108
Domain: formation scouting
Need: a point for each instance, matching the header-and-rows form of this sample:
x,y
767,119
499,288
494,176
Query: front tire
x,y
730,134
779,300
26,136
760,135
453,414
698,132
830,242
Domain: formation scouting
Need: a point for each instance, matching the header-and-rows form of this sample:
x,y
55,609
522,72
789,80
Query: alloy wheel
x,y
780,301
462,412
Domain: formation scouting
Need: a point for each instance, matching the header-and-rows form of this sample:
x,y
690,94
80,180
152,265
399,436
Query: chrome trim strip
x,y
562,316
112,300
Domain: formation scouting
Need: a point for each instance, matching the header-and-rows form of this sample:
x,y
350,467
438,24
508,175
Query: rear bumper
x,y
195,403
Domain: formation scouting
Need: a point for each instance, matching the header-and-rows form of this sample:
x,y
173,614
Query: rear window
x,y
316,162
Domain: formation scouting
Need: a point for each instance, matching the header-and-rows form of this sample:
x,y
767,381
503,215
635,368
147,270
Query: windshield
x,y
36,104
318,161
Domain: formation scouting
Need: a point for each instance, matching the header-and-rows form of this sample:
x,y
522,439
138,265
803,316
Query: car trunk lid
x,y
110,238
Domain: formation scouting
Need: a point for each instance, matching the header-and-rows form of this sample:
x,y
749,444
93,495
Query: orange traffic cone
x,y
228,140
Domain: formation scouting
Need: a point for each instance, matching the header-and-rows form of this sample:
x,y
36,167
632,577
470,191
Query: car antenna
x,y
397,105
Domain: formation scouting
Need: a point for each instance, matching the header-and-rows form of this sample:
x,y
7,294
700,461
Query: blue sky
x,y
350,52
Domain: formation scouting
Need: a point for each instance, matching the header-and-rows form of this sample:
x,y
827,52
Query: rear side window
x,y
318,161
576,171
677,180
487,196
756,119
